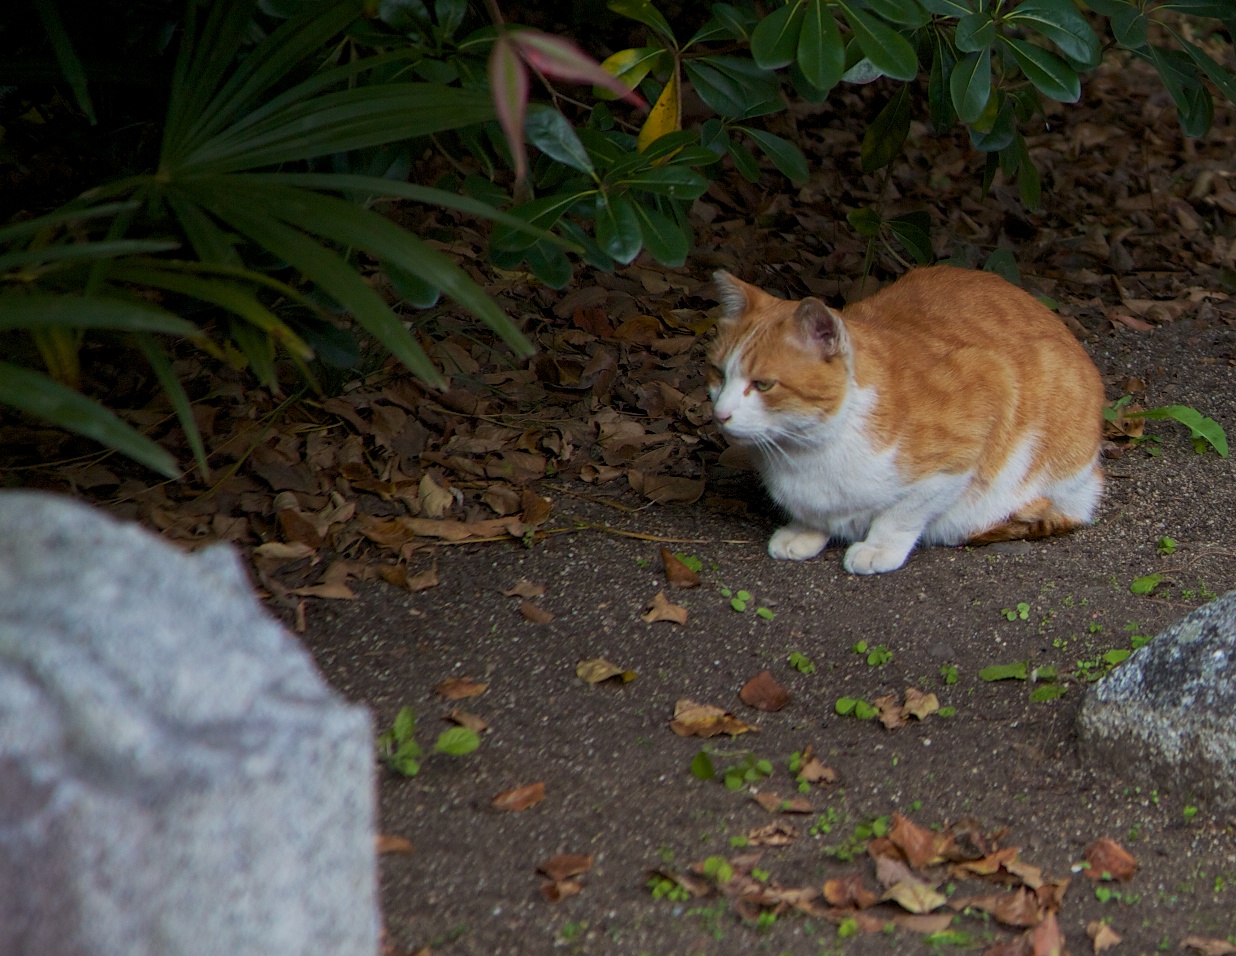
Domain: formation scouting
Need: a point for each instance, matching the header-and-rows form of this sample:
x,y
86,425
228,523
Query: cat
x,y
949,407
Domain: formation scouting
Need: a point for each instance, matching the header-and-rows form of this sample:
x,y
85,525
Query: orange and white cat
x,y
951,406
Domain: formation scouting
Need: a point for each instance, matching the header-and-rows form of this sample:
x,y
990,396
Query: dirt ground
x,y
617,781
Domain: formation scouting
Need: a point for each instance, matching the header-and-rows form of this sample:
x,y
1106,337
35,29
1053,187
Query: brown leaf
x,y
598,669
662,610
915,896
558,890
279,551
1017,908
925,923
774,803
850,892
464,718
764,693
918,704
890,711
815,771
1046,938
423,580
1104,937
565,865
704,720
336,592
667,489
1109,861
525,589
435,500
677,573
459,688
1206,946
521,798
920,845
535,509
534,613
385,843
776,833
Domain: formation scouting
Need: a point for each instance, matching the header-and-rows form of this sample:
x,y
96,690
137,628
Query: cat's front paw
x,y
864,558
796,544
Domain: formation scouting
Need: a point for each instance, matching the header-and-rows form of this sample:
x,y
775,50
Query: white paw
x,y
864,558
796,544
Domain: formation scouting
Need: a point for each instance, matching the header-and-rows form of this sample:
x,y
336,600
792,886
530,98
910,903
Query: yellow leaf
x,y
666,114
915,897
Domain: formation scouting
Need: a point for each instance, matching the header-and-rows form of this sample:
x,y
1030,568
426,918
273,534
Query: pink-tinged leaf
x,y
561,58
509,82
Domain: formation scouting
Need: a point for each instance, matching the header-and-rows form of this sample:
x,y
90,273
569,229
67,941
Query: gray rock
x,y
175,777
1167,715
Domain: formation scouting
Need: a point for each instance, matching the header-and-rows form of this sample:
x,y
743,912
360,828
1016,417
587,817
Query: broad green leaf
x,y
775,39
939,97
885,47
970,85
1048,692
744,161
630,67
39,396
457,741
1029,185
1130,27
450,14
1004,264
913,230
663,237
1220,77
258,349
785,155
74,251
887,133
549,265
996,129
1178,73
1018,671
904,12
975,31
738,23
866,221
411,288
821,51
677,182
1109,8
538,213
718,91
1050,75
1201,426
618,231
42,311
948,8
1221,9
551,133
645,13
702,767
734,87
1061,22
1146,583
175,391
70,213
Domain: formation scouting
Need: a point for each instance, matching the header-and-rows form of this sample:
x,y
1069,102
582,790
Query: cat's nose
x,y
721,417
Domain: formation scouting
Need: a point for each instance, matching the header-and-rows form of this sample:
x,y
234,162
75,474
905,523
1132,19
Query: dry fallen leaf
x,y
385,843
597,669
557,890
764,693
1046,938
889,708
534,613
565,865
921,846
525,589
1109,861
1207,946
677,573
458,688
704,720
925,923
776,833
521,798
1017,908
914,896
464,718
1103,936
849,892
918,704
423,580
775,803
663,610
278,550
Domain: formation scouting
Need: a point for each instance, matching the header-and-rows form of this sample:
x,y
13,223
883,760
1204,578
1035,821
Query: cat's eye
x,y
764,385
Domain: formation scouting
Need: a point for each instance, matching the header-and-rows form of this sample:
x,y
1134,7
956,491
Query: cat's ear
x,y
821,329
736,296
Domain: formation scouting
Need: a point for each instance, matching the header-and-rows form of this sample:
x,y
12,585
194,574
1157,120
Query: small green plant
x,y
1022,612
855,707
1048,692
1017,671
664,888
746,771
825,822
1146,583
856,843
571,931
718,869
947,711
765,920
764,613
801,663
1135,833
1094,627
397,746
1166,545
876,656
847,927
691,561
740,599
1190,812
949,673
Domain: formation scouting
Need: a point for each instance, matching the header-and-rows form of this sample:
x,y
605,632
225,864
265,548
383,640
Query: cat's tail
x,y
1038,519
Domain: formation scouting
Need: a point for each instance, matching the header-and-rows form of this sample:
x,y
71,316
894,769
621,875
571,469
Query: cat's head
x,y
777,369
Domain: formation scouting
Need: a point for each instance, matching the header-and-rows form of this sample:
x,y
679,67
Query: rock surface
x,y
1167,715
175,777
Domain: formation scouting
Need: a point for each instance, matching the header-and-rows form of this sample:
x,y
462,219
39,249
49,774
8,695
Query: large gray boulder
x,y
1167,715
175,777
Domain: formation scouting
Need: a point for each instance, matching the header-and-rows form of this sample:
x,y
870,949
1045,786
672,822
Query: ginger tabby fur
x,y
949,407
